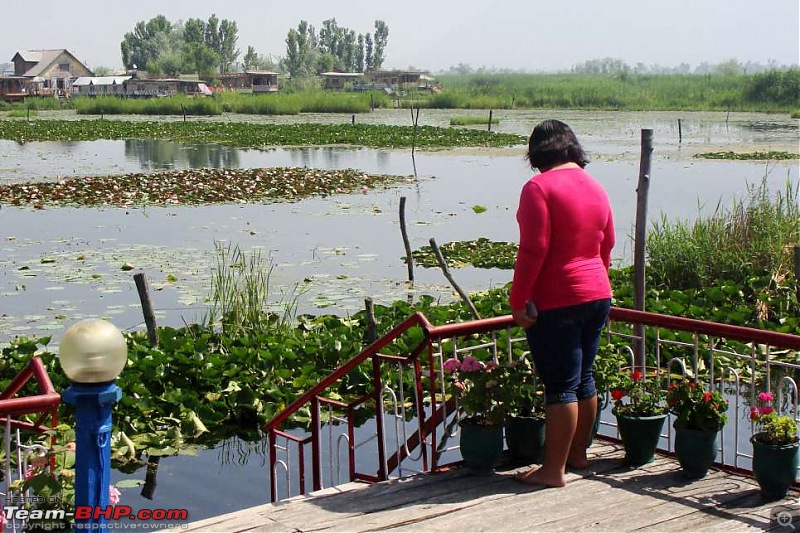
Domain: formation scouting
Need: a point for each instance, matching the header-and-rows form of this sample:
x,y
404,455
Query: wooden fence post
x,y
406,243
147,307
640,234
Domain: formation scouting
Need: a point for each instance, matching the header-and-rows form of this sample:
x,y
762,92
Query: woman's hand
x,y
522,319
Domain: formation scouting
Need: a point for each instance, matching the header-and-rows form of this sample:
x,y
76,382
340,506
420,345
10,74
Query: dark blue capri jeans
x,y
564,343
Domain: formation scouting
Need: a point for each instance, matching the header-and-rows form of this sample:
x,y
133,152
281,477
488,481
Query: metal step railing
x,y
406,421
37,413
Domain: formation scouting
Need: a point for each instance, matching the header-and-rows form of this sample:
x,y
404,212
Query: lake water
x,y
58,265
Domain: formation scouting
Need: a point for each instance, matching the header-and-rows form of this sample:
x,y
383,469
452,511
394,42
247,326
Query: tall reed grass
x,y
635,92
753,237
240,294
173,105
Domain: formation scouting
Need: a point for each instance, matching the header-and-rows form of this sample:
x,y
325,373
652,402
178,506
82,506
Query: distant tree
x,y
250,59
728,68
101,71
227,36
142,46
325,62
360,54
368,50
301,50
381,37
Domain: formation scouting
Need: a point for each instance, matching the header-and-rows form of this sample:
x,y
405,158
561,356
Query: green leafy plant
x,y
522,391
695,407
476,387
779,430
644,395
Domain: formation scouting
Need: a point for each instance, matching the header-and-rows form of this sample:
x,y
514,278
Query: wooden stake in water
x,y
456,286
680,132
639,242
147,307
406,243
490,120
372,325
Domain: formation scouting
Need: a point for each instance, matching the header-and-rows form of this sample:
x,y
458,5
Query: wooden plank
x,y
402,493
537,508
748,512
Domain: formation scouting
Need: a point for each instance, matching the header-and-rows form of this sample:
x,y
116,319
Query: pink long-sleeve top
x,y
566,235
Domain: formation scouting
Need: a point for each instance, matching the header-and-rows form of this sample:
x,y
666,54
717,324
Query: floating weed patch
x,y
249,135
481,253
471,120
749,156
195,187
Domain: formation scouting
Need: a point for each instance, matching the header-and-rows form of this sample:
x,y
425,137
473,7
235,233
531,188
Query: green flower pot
x,y
595,429
640,436
525,438
481,446
774,467
696,450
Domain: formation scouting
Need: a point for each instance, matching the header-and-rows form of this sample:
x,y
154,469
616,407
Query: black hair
x,y
553,143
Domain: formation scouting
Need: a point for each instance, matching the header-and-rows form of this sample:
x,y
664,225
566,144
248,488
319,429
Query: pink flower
x,y
470,364
765,397
451,365
765,410
459,385
29,473
113,495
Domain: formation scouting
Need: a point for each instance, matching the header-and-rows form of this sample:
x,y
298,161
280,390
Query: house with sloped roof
x,y
49,71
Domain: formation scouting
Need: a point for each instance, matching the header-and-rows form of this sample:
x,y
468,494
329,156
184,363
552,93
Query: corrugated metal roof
x,y
99,80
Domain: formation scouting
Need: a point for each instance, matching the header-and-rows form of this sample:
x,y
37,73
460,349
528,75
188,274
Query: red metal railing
x,y
45,404
432,416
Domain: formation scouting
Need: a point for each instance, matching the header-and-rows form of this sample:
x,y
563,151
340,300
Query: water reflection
x,y
163,155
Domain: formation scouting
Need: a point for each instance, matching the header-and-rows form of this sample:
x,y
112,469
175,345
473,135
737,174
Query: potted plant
x,y
640,417
476,387
700,415
775,448
606,378
523,399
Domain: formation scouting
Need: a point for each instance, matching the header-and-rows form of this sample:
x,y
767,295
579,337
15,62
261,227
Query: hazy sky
x,y
436,34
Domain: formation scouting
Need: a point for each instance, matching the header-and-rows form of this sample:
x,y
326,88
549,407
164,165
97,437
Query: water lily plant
x,y
779,430
476,387
695,407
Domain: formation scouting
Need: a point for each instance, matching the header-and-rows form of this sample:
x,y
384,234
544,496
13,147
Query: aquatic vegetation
x,y
480,253
249,135
749,156
471,120
194,187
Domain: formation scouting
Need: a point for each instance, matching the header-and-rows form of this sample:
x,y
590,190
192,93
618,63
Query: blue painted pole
x,y
93,404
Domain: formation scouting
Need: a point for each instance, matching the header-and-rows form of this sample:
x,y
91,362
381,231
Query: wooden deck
x,y
606,497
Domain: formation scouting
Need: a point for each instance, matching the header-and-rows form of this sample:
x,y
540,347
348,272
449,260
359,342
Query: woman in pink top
x,y
561,294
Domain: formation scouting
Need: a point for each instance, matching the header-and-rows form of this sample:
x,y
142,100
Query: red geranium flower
x,y
617,394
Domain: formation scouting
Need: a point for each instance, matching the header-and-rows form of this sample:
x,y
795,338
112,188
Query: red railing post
x,y
316,445
273,461
377,384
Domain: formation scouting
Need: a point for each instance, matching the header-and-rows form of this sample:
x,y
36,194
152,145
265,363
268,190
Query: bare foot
x,y
537,476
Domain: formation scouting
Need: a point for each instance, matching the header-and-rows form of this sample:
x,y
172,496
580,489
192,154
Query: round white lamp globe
x,y
93,351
